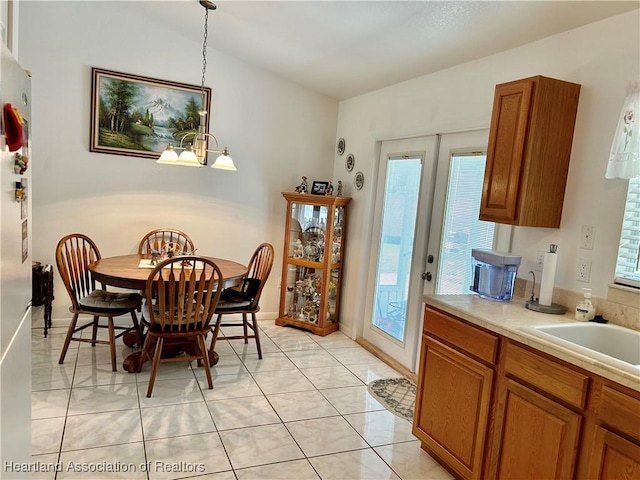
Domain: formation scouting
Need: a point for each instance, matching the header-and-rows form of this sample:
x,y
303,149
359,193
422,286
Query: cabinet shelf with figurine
x,y
314,248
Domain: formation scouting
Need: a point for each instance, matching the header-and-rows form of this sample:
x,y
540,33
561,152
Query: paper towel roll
x,y
548,277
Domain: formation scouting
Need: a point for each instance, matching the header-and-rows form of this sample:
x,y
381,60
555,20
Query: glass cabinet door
x,y
314,242
307,231
303,299
336,247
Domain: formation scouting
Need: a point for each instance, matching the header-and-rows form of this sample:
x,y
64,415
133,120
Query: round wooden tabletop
x,y
123,271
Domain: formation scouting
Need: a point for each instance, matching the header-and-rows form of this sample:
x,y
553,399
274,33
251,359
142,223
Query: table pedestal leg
x,y
133,362
213,358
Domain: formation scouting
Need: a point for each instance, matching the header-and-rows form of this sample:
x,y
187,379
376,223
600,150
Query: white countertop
x,y
510,319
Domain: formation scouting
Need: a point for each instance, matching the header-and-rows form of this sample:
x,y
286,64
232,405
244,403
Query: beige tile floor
x,y
302,412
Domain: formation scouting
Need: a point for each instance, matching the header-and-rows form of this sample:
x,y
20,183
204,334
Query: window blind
x,y
461,229
628,263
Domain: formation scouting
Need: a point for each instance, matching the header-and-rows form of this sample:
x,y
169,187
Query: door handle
x,y
430,259
426,276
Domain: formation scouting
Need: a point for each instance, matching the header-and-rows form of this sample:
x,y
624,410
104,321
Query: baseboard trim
x,y
387,359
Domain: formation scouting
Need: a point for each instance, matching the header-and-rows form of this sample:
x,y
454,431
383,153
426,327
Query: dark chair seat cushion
x,y
243,293
101,301
228,306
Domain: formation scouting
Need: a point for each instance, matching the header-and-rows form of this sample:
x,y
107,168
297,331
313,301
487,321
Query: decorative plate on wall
x,y
359,180
349,162
341,146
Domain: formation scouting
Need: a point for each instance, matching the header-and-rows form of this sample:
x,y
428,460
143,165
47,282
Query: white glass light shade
x,y
188,159
168,157
224,162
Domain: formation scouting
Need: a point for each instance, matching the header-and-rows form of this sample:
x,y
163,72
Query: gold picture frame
x,y
139,116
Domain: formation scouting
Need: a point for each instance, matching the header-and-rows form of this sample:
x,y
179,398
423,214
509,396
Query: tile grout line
x,y
242,358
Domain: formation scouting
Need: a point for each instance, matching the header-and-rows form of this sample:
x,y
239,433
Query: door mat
x,y
398,395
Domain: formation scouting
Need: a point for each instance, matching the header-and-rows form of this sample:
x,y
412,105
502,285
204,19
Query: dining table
x,y
132,272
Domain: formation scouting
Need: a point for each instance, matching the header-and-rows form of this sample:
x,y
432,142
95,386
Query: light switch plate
x,y
587,236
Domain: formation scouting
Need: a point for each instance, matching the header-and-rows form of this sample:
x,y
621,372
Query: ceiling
x,y
347,48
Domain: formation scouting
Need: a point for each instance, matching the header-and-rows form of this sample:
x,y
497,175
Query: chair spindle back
x,y
74,253
186,290
158,239
260,267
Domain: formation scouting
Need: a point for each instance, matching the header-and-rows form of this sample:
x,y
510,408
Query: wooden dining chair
x,y
245,299
74,254
181,296
157,239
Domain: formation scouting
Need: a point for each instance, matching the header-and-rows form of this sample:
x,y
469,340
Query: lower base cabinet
x,y
460,389
489,407
612,443
614,457
551,431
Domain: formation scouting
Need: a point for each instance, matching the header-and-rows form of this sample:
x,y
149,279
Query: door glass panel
x,y
461,230
399,215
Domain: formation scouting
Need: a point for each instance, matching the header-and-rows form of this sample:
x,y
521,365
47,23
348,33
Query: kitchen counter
x,y
509,318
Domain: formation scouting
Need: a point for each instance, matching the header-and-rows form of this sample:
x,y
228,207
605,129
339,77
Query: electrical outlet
x,y
586,237
584,270
539,262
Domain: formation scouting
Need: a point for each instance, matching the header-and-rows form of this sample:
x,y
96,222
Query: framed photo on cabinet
x,y
319,188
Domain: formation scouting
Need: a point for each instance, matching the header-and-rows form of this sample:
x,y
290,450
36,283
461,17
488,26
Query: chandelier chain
x,y
204,55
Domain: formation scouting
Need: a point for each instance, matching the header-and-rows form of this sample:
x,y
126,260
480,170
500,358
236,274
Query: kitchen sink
x,y
611,344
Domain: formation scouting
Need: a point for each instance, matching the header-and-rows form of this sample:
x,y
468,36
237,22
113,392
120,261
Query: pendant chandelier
x,y
194,146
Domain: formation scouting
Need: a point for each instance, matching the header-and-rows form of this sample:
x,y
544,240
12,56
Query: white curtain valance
x,y
624,160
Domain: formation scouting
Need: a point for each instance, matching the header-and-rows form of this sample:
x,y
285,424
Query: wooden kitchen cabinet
x,y
536,435
613,457
613,449
314,248
528,153
551,434
454,392
489,407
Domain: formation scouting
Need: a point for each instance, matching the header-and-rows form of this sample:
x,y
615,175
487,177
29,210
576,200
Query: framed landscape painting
x,y
140,116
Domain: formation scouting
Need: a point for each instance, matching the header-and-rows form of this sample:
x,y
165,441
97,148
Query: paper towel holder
x,y
533,304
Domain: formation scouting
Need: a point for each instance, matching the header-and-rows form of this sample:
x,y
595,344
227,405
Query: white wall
x,y
276,132
603,57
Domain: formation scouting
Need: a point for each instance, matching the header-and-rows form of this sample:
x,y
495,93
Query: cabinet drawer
x,y
474,341
620,411
548,376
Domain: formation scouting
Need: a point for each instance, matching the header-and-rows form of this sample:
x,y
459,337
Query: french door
x,y
406,176
425,224
455,228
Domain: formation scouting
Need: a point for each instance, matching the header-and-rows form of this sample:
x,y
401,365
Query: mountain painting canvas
x,y
140,116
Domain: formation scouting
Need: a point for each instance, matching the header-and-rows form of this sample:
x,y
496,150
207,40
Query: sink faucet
x,y
533,286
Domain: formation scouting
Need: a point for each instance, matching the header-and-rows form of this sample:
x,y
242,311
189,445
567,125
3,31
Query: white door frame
x,y
426,148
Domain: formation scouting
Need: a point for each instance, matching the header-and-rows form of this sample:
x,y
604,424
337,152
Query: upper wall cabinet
x,y
528,154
